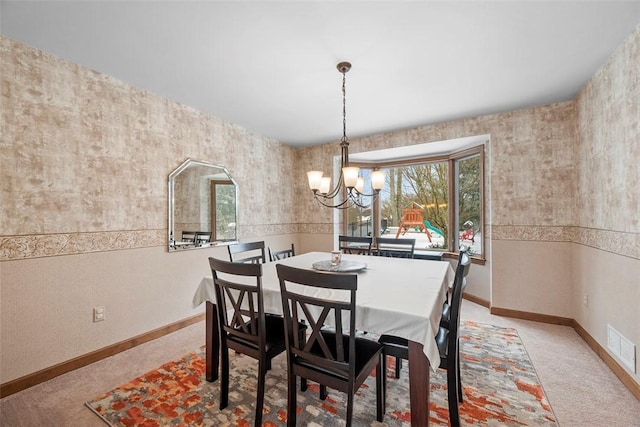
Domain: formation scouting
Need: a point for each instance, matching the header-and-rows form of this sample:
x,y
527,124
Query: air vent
x,y
622,348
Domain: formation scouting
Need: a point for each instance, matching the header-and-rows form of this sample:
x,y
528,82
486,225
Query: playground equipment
x,y
432,228
412,218
468,233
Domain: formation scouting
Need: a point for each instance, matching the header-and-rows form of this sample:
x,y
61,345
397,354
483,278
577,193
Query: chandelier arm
x,y
358,204
336,190
374,194
356,200
345,204
351,198
349,202
330,196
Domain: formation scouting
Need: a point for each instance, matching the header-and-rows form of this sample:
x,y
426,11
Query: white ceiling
x,y
270,65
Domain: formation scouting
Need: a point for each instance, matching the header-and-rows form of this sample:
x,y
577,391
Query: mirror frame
x,y
171,203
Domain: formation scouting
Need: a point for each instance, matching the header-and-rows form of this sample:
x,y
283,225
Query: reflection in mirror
x,y
203,206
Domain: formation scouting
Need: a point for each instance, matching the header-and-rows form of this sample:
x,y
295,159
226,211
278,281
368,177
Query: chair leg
x,y
323,392
224,377
349,408
262,373
452,396
384,368
303,339
460,399
381,388
398,366
291,399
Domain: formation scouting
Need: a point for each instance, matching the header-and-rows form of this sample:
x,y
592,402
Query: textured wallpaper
x,y
85,160
530,171
608,153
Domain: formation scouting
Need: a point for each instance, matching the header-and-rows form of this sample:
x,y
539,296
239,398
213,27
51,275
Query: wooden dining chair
x,y
333,357
202,237
188,236
244,326
448,342
445,318
252,253
355,245
397,248
282,254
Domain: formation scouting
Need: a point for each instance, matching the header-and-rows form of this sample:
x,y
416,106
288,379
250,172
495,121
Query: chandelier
x,y
349,190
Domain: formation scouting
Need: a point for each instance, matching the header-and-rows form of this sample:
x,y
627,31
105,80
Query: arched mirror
x,y
203,206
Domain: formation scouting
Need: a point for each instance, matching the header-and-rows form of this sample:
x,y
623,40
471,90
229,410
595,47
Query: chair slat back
x,y
355,245
282,254
338,356
188,236
255,253
239,300
202,237
397,248
459,283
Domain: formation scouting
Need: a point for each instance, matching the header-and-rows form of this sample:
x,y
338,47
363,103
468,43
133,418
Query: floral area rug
x,y
501,388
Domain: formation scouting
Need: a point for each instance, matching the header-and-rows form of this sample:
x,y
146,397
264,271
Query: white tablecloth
x,y
396,296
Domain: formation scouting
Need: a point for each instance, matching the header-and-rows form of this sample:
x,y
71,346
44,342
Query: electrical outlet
x,y
98,314
585,300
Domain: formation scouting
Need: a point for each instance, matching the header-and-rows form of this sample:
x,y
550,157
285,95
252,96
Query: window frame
x,y
452,160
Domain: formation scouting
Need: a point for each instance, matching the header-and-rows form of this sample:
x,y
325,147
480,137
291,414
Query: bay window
x,y
436,200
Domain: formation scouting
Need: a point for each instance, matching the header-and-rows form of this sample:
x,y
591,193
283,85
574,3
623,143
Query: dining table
x,y
395,296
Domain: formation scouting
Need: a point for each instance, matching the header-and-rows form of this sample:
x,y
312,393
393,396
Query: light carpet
x,y
501,388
